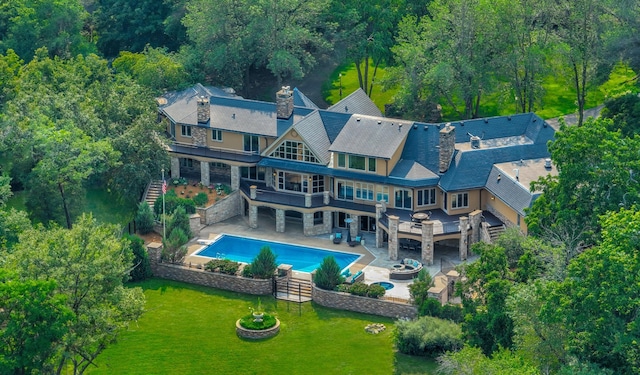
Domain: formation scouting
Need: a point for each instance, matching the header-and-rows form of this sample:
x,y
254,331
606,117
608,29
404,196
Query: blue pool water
x,y
302,258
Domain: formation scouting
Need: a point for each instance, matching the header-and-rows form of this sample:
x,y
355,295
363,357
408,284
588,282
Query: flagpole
x,y
164,220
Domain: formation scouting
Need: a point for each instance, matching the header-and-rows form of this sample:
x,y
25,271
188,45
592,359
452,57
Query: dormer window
x,y
186,131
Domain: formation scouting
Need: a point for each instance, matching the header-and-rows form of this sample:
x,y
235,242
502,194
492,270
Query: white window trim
x,y
454,200
183,132
216,131
428,190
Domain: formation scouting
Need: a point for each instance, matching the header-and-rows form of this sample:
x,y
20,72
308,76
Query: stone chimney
x,y
284,103
447,146
204,110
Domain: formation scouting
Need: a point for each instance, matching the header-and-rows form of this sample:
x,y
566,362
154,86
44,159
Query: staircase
x,y
495,232
153,192
295,290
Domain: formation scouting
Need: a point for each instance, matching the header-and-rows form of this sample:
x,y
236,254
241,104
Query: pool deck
x,y
373,261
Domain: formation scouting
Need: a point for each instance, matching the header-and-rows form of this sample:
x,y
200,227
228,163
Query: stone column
x,y
353,227
280,220
326,221
484,233
379,232
393,237
204,173
253,191
235,177
307,224
326,199
268,176
427,242
475,219
175,167
253,216
464,221
194,224
307,200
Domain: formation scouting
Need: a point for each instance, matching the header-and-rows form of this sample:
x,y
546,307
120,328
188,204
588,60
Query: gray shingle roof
x,y
508,190
356,102
314,135
371,136
301,100
412,170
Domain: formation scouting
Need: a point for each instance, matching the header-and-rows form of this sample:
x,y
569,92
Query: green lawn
x,y
106,208
189,329
331,89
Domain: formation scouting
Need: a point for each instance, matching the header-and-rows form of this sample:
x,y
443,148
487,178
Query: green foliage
x,y
625,112
154,68
246,271
264,264
33,322
174,249
171,202
144,218
362,289
472,361
427,336
419,289
248,322
180,220
225,266
328,274
201,199
89,264
141,267
432,307
12,223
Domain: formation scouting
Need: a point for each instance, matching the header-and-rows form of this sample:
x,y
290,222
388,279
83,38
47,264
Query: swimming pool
x,y
302,258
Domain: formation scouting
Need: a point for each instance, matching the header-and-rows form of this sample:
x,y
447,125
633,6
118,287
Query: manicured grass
x,y
106,208
331,89
188,329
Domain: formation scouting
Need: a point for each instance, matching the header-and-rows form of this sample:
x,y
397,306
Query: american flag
x,y
164,187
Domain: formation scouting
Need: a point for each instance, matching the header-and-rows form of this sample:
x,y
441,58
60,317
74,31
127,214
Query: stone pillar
x,y
379,232
307,200
307,224
194,224
484,232
253,216
353,227
280,220
427,242
447,147
175,167
464,221
253,191
204,173
326,199
475,219
326,221
268,177
393,237
235,177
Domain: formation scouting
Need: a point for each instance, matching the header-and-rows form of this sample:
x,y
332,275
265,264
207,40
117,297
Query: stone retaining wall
x,y
346,301
224,209
257,334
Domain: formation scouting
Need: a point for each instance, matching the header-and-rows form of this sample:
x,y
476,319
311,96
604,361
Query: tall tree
x,y
154,68
89,264
598,171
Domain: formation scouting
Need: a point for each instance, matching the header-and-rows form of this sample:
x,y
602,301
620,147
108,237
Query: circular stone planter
x,y
257,334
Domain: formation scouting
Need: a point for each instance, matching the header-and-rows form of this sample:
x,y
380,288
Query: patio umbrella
x,y
348,221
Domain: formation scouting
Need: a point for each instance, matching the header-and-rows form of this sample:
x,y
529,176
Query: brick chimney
x,y
447,146
284,103
204,110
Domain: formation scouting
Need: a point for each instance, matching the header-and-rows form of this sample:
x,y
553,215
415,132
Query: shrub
x,y
432,307
363,290
375,291
141,267
419,289
171,202
247,322
359,289
180,219
343,288
201,199
144,218
174,250
328,274
427,336
246,271
225,266
264,264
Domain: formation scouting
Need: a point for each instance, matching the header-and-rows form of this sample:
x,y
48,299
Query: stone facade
x,y
199,136
379,231
312,229
284,102
464,221
221,210
204,110
346,301
175,167
280,220
427,242
194,224
475,219
447,147
393,237
235,177
205,176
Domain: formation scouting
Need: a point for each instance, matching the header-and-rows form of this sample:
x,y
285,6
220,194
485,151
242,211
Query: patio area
x,y
374,262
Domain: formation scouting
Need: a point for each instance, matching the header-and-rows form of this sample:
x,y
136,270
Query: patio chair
x,y
356,241
337,237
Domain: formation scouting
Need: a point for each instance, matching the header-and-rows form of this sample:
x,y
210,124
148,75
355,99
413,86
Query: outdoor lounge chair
x,y
356,241
337,238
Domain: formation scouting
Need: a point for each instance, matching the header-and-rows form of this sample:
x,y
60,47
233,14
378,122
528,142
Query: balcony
x,y
214,153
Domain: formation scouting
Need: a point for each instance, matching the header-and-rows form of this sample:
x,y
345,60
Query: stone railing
x,y
346,301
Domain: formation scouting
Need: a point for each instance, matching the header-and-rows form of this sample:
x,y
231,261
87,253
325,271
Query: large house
x,y
412,184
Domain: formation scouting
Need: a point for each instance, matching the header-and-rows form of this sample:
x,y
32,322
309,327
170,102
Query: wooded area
x,y
77,83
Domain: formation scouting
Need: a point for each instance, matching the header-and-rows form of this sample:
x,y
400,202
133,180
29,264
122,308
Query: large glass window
x,y
317,183
185,131
252,173
251,143
426,197
403,198
460,200
345,190
293,150
364,191
382,193
356,162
